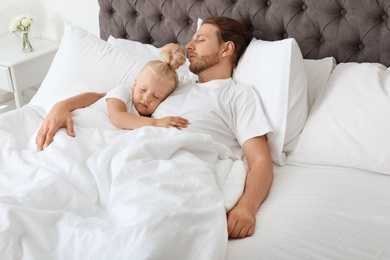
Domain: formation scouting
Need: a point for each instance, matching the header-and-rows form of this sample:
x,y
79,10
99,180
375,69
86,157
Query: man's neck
x,y
213,74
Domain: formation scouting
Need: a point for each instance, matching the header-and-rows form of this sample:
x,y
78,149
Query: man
x,y
231,113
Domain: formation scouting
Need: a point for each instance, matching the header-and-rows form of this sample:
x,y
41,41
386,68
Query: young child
x,y
131,108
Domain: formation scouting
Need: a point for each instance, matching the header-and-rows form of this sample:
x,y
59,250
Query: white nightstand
x,y
19,70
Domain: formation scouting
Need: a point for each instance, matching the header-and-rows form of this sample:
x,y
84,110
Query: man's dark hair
x,y
231,30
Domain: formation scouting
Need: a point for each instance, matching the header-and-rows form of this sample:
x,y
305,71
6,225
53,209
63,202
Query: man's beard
x,y
204,63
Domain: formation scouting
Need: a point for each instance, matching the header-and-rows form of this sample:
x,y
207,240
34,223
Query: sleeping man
x,y
229,112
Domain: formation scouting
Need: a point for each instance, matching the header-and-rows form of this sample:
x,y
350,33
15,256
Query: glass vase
x,y
27,47
24,38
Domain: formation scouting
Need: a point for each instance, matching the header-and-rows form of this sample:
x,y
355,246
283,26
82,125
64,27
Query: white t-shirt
x,y
125,94
231,113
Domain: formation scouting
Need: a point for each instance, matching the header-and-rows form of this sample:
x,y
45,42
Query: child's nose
x,y
147,98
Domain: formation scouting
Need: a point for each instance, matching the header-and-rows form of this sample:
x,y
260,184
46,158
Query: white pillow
x,y
349,122
318,72
139,49
150,52
277,71
85,63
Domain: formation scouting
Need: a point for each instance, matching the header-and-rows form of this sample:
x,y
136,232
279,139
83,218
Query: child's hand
x,y
172,121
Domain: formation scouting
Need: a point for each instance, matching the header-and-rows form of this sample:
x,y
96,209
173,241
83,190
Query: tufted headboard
x,y
349,30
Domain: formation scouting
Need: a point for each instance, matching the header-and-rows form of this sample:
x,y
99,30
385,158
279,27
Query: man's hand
x,y
172,121
241,219
241,222
58,117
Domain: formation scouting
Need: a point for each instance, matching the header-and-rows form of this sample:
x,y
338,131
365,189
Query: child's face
x,y
149,91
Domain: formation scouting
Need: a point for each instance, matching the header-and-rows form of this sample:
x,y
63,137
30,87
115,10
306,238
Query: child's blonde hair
x,y
175,56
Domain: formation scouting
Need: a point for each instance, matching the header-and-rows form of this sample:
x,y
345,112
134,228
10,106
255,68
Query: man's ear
x,y
229,49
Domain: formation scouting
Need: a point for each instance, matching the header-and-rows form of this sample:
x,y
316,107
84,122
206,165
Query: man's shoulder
x,y
242,85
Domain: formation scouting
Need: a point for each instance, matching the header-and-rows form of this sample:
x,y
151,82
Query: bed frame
x,y
349,30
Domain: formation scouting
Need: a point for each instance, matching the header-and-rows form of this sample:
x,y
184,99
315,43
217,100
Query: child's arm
x,y
119,116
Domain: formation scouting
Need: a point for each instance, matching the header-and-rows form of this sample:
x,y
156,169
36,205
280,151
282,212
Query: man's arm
x,y
59,116
242,217
119,117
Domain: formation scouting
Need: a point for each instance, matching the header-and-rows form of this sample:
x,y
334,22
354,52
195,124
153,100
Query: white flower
x,y
14,26
21,23
26,22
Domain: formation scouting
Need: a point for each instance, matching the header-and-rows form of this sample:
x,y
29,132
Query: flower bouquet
x,y
21,25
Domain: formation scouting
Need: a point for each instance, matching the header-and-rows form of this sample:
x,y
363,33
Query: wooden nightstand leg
x,y
18,99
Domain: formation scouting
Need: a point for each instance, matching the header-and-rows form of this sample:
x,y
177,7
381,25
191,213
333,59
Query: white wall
x,y
51,15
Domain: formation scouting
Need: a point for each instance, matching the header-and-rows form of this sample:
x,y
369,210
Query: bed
x,y
322,70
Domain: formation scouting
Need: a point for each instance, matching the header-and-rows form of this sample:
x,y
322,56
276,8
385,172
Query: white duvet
x,y
151,193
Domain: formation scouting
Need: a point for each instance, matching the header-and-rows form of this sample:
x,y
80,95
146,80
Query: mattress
x,y
321,213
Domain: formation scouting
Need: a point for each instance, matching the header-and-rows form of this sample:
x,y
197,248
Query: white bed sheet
x,y
68,207
321,213
151,193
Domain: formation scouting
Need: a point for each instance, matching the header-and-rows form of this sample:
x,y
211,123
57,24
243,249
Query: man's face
x,y
204,49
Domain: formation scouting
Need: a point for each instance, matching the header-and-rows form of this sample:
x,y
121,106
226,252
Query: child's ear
x,y
135,84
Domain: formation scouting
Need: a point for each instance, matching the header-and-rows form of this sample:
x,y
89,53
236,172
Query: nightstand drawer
x,y
5,79
32,72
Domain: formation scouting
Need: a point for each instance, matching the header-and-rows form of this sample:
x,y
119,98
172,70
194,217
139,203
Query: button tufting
x,y
322,40
268,3
136,13
385,17
285,35
162,17
304,7
343,12
189,21
361,46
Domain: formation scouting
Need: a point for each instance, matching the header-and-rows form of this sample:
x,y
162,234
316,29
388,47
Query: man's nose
x,y
189,46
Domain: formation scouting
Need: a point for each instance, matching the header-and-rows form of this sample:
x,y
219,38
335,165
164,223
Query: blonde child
x,y
131,107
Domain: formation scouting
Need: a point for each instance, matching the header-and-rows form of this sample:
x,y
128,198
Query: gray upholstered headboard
x,y
349,30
